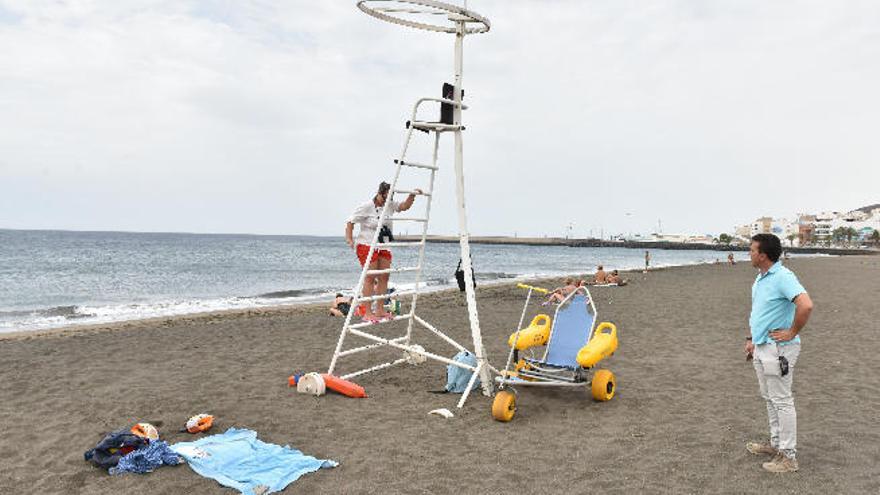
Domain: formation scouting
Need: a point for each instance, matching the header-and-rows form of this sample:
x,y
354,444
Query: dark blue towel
x,y
147,459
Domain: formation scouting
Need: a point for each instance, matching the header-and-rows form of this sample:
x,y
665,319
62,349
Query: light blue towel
x,y
237,459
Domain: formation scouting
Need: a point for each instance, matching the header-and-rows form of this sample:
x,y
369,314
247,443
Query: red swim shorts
x,y
363,250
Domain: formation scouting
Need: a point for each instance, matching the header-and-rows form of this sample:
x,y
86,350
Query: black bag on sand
x,y
113,447
459,276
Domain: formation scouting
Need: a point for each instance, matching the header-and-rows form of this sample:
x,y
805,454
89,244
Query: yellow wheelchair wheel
x,y
504,406
604,386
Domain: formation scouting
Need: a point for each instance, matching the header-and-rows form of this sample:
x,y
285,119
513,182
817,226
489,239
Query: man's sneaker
x,y
781,464
758,448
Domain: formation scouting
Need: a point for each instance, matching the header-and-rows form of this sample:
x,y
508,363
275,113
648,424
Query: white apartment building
x,y
781,227
815,229
863,223
743,231
824,226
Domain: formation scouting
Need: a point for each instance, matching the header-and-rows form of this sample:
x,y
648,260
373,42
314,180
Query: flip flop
x,y
371,319
386,317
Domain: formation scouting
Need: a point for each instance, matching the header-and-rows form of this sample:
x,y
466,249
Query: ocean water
x,y
54,279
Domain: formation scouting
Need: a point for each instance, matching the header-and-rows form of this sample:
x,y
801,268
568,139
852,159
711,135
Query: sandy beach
x,y
687,399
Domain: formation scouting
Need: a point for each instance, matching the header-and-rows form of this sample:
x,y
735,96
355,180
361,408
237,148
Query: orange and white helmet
x,y
199,422
145,430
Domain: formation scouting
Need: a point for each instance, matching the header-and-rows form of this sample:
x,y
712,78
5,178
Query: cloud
x,y
281,117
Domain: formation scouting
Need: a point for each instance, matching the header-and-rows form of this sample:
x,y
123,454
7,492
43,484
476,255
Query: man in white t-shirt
x,y
367,216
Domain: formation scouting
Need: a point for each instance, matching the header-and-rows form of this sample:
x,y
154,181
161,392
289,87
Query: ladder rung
x,y
410,219
404,191
394,270
393,295
443,100
402,244
451,102
405,163
370,323
434,126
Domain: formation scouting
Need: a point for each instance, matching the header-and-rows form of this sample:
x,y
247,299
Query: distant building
x,y
700,239
763,225
863,224
826,228
669,237
743,231
806,229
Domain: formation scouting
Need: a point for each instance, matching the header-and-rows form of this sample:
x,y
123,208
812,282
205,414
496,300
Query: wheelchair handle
x,y
606,325
532,287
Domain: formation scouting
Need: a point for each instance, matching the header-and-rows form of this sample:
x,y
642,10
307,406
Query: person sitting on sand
x,y
615,279
600,277
340,306
560,293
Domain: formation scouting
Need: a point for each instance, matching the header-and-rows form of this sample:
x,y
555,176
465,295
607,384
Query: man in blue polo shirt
x,y
780,310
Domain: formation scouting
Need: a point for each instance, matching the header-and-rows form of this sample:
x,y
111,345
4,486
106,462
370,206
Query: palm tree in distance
x,y
850,233
838,235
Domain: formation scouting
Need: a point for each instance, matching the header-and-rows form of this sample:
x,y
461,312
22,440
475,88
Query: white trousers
x,y
776,391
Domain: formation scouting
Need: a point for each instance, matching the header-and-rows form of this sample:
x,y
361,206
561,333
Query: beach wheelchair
x,y
572,349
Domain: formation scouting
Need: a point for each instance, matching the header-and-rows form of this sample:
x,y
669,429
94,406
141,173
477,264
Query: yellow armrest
x,y
534,335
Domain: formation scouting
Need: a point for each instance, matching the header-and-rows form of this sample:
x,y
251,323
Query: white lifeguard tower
x,y
443,18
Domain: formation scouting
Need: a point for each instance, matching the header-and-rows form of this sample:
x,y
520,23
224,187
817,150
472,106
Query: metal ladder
x,y
412,353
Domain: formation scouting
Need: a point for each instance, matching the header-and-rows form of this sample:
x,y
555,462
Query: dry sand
x,y
686,405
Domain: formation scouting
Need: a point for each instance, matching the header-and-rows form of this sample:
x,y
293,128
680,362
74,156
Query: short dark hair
x,y
768,244
384,187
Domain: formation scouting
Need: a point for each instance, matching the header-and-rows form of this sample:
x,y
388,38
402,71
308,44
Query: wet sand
x,y
687,400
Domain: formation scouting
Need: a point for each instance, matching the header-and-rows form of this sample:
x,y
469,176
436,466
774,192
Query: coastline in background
x,y
54,279
643,244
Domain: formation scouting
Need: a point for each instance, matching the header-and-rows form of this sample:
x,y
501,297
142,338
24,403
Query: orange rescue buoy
x,y
145,430
344,387
199,423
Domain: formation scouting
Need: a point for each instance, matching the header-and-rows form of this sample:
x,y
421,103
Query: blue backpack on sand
x,y
457,378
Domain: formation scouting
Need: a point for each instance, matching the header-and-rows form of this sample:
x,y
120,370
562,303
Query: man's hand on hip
x,y
781,335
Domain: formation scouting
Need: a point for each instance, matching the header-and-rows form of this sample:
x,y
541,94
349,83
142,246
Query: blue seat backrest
x,y
571,331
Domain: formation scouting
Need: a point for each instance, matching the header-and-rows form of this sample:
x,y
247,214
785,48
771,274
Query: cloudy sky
x,y
280,117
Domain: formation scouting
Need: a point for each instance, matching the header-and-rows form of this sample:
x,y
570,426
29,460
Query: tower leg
x,y
463,235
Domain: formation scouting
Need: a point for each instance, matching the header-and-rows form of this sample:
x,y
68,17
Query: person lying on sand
x,y
615,279
340,306
560,293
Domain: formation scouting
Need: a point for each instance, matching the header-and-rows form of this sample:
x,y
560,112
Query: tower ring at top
x,y
426,14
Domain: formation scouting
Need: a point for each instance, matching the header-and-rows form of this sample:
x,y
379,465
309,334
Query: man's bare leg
x,y
382,286
369,284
